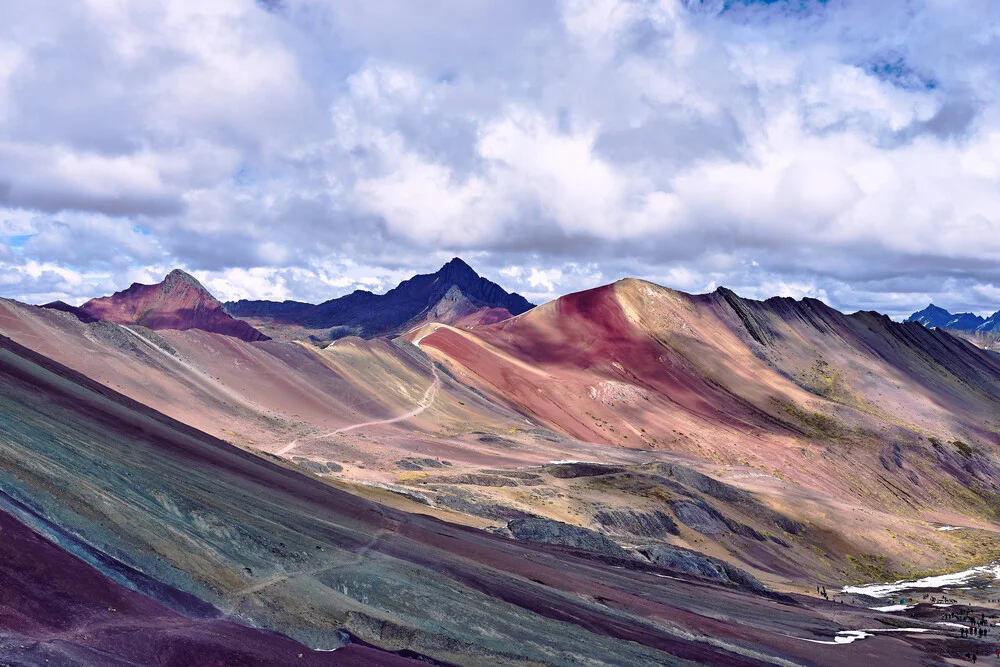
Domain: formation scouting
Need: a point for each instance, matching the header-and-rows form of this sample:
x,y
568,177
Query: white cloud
x,y
849,150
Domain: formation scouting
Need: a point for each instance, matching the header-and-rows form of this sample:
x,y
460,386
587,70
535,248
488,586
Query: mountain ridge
x,y
366,314
935,316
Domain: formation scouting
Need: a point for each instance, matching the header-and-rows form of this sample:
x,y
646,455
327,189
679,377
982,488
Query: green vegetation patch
x,y
816,421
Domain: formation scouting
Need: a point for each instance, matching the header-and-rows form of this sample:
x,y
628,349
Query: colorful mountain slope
x,y
58,610
869,409
455,292
179,302
839,441
180,516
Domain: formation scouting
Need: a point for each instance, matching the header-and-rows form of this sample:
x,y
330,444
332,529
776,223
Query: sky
x,y
301,149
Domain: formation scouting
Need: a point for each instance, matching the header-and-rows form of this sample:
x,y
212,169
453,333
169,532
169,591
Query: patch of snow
x,y
952,528
894,607
884,590
943,604
897,630
842,637
851,636
950,625
565,461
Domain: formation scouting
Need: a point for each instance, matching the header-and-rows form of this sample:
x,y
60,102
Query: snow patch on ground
x,y
898,630
842,637
884,590
952,528
851,636
894,607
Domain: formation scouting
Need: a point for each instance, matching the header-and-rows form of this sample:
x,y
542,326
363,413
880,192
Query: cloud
x,y
299,149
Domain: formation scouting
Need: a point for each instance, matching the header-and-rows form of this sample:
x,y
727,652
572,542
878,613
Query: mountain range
x,y
628,475
934,316
455,293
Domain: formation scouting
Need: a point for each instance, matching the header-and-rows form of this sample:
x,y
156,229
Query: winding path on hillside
x,y
425,402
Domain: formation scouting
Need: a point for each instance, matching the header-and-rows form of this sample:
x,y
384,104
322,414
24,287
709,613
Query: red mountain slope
x,y
179,302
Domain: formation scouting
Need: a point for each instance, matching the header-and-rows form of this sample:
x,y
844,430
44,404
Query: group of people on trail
x,y
974,631
822,591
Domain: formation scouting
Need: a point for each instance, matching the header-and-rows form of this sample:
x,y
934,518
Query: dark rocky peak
x,y
934,316
365,314
931,316
457,272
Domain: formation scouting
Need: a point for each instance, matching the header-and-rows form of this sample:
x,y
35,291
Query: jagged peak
x,y
457,269
180,276
457,262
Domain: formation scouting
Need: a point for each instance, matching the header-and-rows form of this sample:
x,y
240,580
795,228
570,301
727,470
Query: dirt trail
x,y
425,402
358,557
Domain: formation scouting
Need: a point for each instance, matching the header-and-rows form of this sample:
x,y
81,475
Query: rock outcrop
x,y
692,562
564,534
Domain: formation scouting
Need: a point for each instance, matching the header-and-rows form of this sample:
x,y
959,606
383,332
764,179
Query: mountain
x,y
991,323
179,302
731,441
865,413
717,362
932,316
455,292
130,538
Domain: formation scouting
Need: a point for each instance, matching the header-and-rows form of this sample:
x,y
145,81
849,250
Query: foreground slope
x,y
58,610
187,520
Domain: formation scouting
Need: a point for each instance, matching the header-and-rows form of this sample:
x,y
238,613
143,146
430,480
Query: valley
x,y
621,448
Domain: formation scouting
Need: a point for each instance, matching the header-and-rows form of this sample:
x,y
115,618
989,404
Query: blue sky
x,y
301,149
